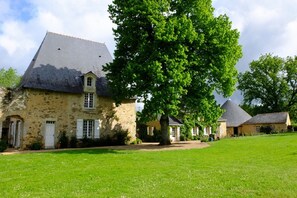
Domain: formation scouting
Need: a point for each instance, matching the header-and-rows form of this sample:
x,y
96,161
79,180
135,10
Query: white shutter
x,y
79,128
97,129
178,133
0,130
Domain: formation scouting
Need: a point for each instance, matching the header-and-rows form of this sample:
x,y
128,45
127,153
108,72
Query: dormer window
x,y
89,81
89,97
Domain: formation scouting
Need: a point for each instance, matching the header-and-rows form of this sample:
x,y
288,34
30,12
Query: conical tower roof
x,y
234,115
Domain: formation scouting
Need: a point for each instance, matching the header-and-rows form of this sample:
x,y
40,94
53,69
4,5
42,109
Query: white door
x,y
49,134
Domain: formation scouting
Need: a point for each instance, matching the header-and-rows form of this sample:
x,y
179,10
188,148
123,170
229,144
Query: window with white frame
x,y
89,100
195,131
89,81
88,128
173,131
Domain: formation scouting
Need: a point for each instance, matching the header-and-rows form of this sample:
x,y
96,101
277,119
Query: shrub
x,y
63,140
87,142
73,142
195,137
137,141
204,138
106,140
36,144
121,137
292,128
3,145
182,138
141,130
266,129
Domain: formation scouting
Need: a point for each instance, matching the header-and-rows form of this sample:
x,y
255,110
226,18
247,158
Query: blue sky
x,y
266,27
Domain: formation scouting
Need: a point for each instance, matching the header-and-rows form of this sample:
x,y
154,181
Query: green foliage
x,y
270,85
141,130
150,138
266,129
36,144
195,137
63,140
182,137
73,142
3,145
174,55
186,130
137,141
88,142
292,127
9,78
204,138
121,137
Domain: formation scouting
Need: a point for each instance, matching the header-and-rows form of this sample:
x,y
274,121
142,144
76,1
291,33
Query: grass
x,y
260,166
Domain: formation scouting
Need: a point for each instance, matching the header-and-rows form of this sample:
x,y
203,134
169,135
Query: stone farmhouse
x,y
275,121
240,122
64,90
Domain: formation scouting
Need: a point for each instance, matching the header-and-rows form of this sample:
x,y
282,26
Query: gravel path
x,y
142,147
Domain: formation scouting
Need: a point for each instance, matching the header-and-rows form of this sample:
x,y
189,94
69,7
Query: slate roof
x,y
234,115
61,61
269,118
173,121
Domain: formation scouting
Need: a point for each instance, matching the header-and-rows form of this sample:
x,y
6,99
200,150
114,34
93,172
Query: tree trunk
x,y
165,136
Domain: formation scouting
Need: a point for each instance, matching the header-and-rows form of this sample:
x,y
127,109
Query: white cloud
x,y
260,15
20,39
288,41
14,39
266,27
48,21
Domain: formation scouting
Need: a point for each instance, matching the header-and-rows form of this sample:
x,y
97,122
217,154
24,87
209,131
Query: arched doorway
x,y
12,130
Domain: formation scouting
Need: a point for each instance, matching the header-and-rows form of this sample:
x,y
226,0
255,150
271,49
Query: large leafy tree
x,y
173,54
9,78
270,85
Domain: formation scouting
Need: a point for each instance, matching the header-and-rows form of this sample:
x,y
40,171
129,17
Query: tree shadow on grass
x,y
281,134
91,151
124,149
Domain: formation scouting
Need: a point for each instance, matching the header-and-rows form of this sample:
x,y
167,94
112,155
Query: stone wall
x,y
251,129
36,107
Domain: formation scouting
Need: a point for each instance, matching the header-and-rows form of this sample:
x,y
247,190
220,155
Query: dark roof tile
x,y
234,115
60,62
269,118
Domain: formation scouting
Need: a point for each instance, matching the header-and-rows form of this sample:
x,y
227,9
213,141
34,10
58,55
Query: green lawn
x,y
259,166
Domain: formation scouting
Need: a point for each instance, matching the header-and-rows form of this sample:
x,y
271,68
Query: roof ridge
x,y
272,113
74,37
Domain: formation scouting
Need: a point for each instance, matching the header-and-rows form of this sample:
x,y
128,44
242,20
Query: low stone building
x,y
64,90
174,128
278,122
